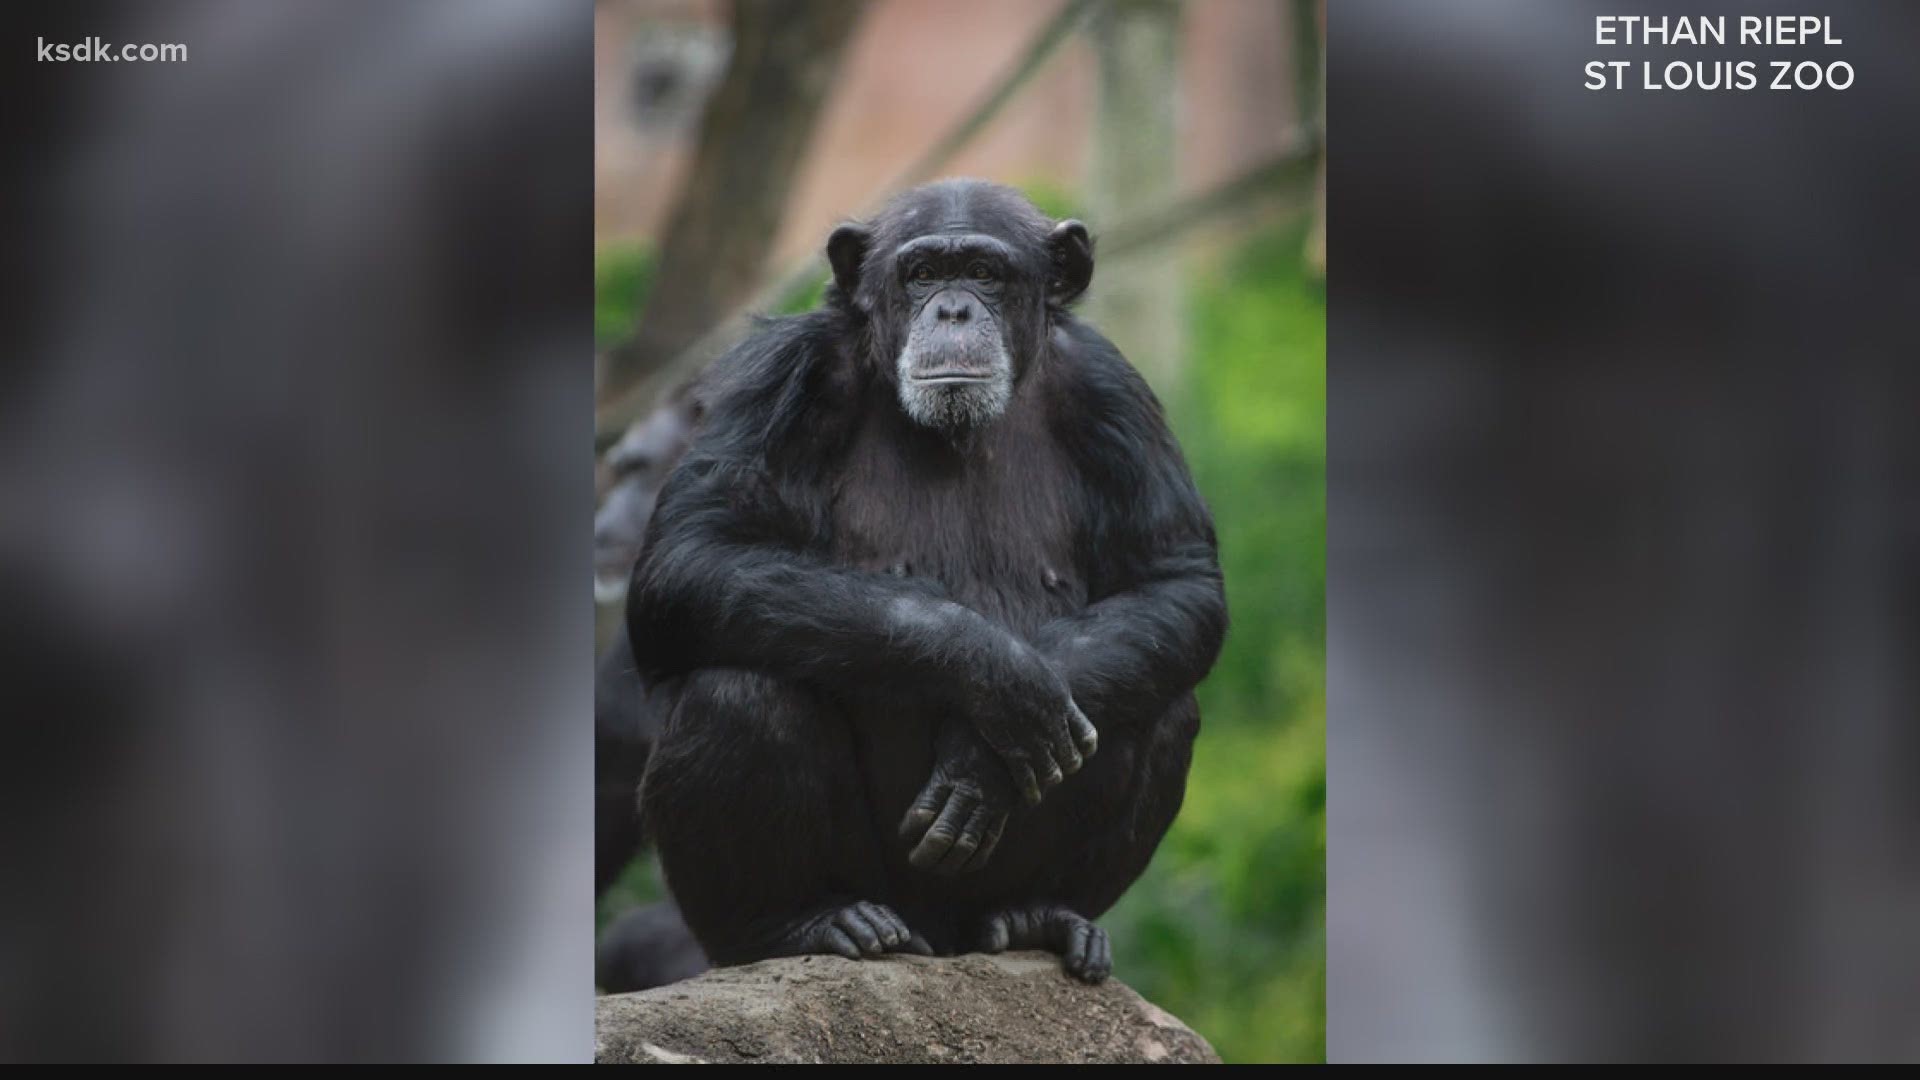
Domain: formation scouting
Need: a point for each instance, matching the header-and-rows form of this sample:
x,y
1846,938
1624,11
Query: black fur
x,y
645,946
627,717
627,714
874,634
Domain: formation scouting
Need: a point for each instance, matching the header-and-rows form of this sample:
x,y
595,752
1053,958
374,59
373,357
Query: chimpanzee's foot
x,y
1083,947
857,930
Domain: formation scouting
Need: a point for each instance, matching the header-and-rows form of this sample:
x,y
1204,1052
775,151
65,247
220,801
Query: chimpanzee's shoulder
x,y
777,350
1109,420
1097,382
777,384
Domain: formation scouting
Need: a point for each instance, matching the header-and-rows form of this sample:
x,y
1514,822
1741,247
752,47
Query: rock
x,y
1015,1007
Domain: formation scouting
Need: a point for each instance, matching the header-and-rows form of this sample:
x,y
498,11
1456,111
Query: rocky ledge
x,y
1016,1007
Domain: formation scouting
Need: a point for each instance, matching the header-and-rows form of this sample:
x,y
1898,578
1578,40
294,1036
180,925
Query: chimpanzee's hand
x,y
956,821
1023,710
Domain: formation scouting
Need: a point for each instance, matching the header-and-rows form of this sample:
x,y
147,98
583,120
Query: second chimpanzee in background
x,y
627,714
929,596
648,945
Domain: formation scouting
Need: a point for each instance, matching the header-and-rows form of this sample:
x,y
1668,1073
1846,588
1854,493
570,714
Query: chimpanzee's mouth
x,y
954,390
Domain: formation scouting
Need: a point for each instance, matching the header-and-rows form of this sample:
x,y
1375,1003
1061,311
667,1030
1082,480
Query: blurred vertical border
x,y
1624,548
292,445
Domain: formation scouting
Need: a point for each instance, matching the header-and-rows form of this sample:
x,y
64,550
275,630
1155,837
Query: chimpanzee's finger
x,y
1026,782
857,926
997,934
1085,735
838,941
1089,956
924,809
996,827
983,827
943,833
1050,775
1060,744
967,842
892,929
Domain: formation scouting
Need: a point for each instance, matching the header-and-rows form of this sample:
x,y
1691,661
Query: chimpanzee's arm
x,y
1160,612
726,580
731,577
1129,657
722,583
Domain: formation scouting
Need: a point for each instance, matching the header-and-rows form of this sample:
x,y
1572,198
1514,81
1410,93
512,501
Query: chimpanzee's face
x,y
639,464
959,281
955,368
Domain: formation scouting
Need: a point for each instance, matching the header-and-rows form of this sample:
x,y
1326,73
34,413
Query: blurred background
x,y
1624,545
731,137
292,523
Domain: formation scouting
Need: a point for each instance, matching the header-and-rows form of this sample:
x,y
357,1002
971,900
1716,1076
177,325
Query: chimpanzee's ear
x,y
1070,250
846,251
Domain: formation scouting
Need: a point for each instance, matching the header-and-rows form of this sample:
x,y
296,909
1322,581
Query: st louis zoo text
x,y
1713,30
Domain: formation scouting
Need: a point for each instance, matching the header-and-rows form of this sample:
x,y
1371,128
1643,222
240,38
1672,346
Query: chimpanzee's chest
x,y
996,523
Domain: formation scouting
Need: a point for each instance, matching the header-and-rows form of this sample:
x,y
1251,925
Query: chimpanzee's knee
x,y
748,705
755,805
730,734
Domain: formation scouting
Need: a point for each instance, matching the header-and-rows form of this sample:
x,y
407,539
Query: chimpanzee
x,y
639,463
930,537
649,945
646,946
626,713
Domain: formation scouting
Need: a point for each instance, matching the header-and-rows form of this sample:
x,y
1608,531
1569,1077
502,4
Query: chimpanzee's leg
x,y
758,810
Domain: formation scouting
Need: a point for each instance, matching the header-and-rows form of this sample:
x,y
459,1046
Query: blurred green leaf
x,y
640,884
621,274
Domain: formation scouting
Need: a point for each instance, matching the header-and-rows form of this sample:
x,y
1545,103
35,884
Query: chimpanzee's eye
x,y
981,272
922,274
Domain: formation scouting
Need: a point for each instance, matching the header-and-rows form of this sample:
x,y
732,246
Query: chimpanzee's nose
x,y
953,311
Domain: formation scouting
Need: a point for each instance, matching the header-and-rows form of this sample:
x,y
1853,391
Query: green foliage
x,y
640,884
1227,928
808,298
621,274
1053,201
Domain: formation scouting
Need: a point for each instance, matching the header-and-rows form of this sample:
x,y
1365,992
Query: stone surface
x,y
1016,1007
